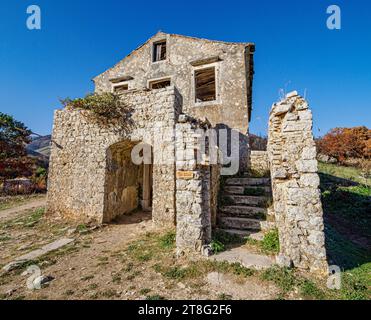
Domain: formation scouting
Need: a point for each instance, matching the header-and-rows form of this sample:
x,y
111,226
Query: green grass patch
x,y
82,229
4,238
176,273
283,278
342,251
356,283
309,290
167,241
34,218
348,173
224,296
271,242
144,291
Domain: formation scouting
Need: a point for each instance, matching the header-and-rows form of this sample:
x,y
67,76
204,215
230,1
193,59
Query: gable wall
x,y
232,109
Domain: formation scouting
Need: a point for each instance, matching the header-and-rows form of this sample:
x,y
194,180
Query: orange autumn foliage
x,y
345,143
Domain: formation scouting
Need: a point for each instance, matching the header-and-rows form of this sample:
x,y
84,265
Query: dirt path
x,y
34,204
100,265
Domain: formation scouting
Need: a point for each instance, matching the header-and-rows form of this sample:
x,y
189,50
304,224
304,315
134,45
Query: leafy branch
x,y
103,106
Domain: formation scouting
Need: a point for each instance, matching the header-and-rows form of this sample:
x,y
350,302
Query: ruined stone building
x,y
179,88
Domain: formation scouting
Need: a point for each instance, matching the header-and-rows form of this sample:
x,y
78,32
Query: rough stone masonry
x,y
178,88
295,183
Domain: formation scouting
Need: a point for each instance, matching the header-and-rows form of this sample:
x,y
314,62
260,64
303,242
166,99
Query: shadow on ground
x,y
133,217
347,216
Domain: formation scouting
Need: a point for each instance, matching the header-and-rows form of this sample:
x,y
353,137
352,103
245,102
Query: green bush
x,y
105,105
217,246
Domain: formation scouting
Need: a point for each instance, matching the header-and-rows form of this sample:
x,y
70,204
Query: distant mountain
x,y
40,148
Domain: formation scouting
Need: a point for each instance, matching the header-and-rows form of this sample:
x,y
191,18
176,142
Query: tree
x,y
345,143
14,136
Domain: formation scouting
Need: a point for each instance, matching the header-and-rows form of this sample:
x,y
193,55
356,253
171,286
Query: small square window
x,y
159,51
121,88
159,84
205,86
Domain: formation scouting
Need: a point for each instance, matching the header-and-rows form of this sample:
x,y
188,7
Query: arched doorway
x,y
128,187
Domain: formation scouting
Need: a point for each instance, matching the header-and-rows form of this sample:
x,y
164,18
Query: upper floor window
x,y
121,88
159,84
159,51
205,84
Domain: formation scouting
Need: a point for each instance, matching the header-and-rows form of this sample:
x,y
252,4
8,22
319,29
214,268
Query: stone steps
x,y
241,190
245,233
245,258
248,182
244,211
258,201
239,223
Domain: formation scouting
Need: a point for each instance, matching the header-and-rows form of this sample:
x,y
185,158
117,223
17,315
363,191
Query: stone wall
x,y
78,186
295,183
196,189
234,79
123,180
259,161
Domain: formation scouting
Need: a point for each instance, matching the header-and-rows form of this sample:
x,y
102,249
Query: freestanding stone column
x,y
196,189
295,183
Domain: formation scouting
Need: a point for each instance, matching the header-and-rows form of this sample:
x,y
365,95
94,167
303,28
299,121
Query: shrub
x,y
102,106
271,242
217,246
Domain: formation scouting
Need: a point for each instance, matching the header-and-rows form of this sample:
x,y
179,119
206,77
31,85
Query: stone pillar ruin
x,y
196,189
295,184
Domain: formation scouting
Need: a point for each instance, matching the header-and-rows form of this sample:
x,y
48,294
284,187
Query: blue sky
x,y
294,50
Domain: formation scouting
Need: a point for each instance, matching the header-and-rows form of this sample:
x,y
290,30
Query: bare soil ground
x,y
16,207
134,259
131,259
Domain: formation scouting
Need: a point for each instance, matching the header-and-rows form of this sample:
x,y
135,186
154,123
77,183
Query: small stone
x,y
307,166
309,153
207,251
42,280
281,109
71,231
291,94
283,261
182,118
181,285
24,247
280,173
310,180
10,292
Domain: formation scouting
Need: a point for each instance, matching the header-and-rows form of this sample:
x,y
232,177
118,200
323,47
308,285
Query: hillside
x,y
40,146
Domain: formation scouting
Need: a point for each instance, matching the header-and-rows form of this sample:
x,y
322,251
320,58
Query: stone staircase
x,y
243,206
